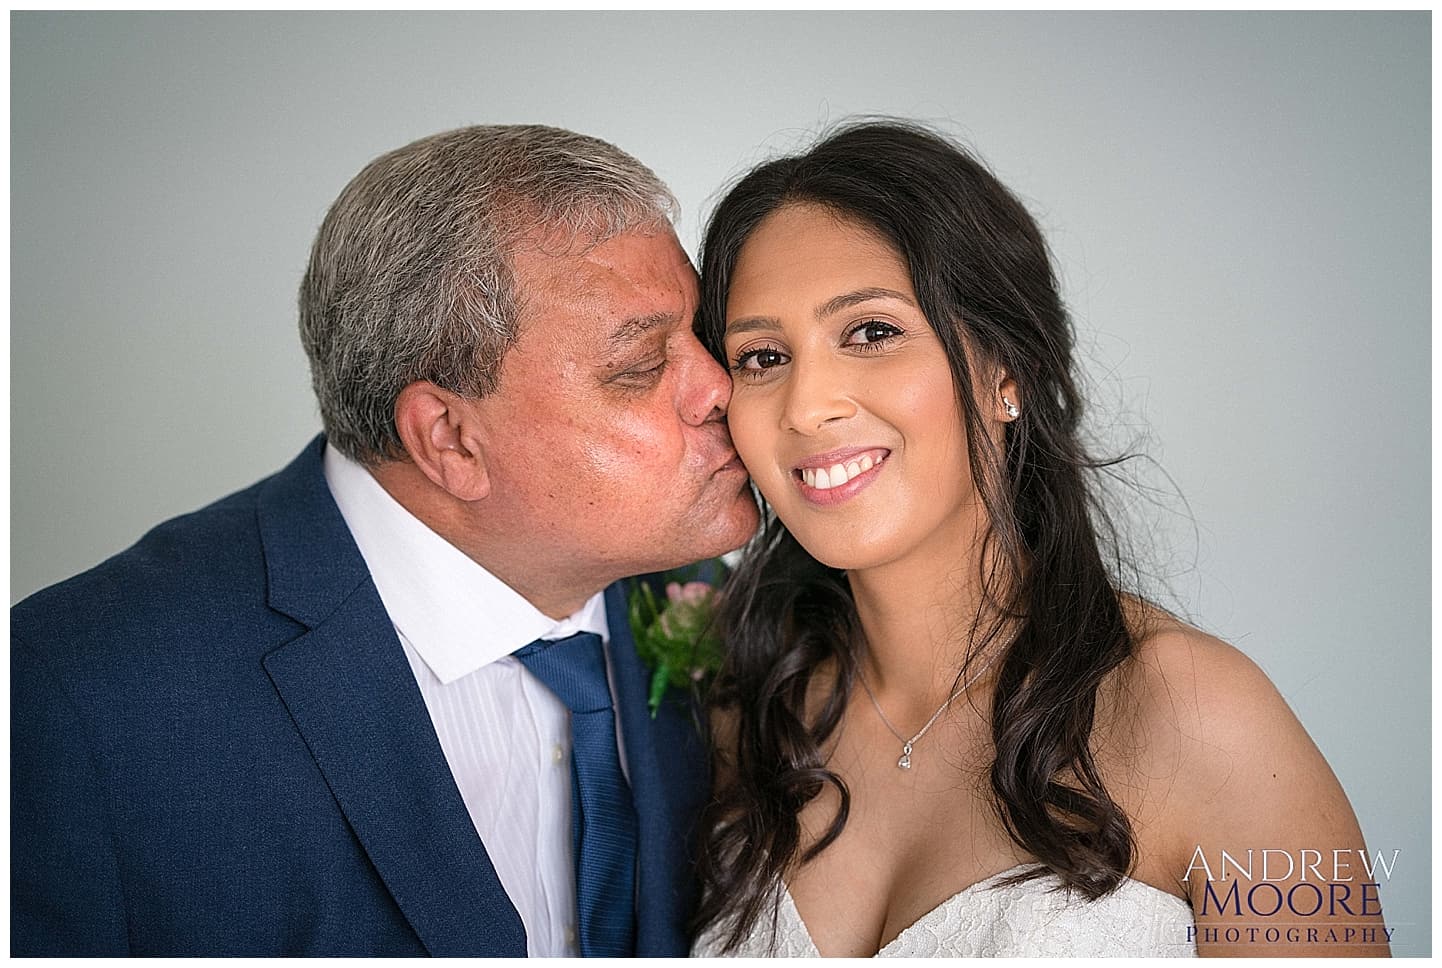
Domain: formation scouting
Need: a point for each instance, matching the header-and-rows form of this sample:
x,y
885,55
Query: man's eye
x,y
640,376
872,331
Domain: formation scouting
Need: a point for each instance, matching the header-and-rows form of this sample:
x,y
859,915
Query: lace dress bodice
x,y
990,920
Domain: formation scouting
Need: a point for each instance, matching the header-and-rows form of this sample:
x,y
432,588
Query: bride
x,y
944,726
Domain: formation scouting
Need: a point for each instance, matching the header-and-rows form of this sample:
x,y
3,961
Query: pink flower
x,y
685,608
692,593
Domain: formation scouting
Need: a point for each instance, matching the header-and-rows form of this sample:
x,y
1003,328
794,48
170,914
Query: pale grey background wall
x,y
1239,204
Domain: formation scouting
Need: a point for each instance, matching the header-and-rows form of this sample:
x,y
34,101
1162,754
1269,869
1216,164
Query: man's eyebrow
x,y
849,299
638,326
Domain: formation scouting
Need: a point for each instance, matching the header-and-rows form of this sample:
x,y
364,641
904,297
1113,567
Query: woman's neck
x,y
919,615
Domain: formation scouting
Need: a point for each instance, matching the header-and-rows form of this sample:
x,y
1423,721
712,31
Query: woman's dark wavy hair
x,y
980,269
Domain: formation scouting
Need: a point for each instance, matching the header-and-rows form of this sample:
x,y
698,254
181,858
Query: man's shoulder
x,y
197,576
170,552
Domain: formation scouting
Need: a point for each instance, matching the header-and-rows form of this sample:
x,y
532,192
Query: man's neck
x,y
554,593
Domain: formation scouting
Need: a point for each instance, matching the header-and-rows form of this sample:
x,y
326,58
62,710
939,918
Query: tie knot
x,y
573,668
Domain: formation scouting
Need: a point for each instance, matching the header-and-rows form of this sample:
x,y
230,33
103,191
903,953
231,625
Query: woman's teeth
x,y
825,478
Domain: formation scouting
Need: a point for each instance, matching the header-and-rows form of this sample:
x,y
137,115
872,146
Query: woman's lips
x,y
837,475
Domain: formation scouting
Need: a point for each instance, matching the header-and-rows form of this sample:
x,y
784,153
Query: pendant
x,y
905,762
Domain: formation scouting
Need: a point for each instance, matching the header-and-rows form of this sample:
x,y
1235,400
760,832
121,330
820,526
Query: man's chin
x,y
705,543
747,522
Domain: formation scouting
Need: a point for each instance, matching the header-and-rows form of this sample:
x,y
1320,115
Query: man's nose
x,y
705,385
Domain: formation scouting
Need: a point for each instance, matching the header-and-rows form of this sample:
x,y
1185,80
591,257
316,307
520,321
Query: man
x,y
292,722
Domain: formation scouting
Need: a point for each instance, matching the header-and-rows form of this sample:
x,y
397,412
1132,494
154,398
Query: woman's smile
x,y
838,475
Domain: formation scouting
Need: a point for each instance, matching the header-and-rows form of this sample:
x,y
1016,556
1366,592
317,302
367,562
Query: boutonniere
x,y
674,635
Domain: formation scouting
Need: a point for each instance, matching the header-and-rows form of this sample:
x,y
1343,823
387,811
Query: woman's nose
x,y
816,394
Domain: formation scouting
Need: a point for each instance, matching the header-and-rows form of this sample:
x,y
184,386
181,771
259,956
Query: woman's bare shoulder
x,y
1245,770
1210,705
1202,684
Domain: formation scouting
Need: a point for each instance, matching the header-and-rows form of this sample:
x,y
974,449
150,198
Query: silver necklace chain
x,y
904,763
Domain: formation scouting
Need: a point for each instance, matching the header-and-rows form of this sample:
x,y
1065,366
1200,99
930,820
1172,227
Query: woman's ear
x,y
1006,402
443,439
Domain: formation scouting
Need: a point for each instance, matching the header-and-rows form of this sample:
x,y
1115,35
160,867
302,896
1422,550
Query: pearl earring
x,y
1012,410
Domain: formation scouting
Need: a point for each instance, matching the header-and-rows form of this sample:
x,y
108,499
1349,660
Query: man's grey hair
x,y
410,276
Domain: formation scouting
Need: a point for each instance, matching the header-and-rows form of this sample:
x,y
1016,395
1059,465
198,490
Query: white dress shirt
x,y
506,737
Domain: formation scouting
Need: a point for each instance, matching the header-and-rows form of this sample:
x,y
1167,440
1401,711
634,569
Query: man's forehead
x,y
610,294
625,267
633,255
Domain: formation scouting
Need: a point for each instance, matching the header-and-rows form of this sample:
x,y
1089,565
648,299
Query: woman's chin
x,y
836,551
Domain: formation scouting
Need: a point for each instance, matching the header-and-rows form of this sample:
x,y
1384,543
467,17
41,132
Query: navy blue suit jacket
x,y
219,748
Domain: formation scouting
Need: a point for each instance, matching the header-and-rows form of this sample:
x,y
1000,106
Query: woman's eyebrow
x,y
750,324
846,300
835,304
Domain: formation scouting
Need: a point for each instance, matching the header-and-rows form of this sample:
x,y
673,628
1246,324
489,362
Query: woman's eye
x,y
872,331
762,358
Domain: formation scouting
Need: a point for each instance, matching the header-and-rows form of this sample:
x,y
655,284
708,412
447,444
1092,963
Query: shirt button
x,y
558,754
571,938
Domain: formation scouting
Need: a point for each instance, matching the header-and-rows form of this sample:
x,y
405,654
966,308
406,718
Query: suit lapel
x,y
668,773
353,697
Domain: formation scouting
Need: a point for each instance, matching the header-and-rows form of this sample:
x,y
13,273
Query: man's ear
x,y
442,437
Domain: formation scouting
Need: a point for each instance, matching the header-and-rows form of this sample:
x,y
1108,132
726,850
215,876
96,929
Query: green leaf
x,y
659,680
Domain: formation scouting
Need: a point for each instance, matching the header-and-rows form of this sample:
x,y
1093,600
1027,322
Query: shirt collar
x,y
455,614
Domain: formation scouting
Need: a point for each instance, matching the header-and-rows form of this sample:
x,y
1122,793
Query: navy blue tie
x,y
603,818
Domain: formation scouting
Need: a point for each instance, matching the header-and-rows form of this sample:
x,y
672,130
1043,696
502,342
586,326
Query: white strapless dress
x,y
992,920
